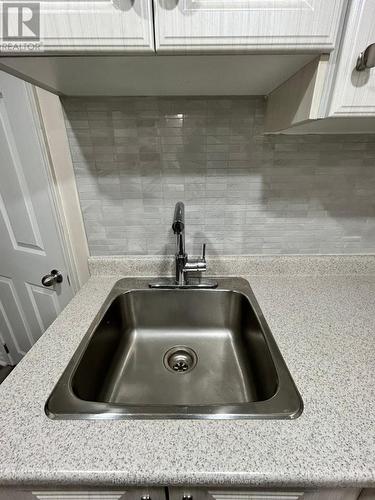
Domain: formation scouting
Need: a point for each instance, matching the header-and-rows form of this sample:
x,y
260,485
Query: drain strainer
x,y
180,359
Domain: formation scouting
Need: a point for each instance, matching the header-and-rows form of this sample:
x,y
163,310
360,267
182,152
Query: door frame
x,y
50,126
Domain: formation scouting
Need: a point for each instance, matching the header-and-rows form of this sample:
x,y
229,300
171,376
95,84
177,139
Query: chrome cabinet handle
x,y
54,277
145,497
366,59
187,497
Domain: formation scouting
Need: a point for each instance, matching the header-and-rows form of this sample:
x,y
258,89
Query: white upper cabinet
x,y
247,25
354,91
124,26
127,26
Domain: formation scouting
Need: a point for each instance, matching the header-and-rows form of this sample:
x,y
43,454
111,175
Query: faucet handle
x,y
197,265
204,252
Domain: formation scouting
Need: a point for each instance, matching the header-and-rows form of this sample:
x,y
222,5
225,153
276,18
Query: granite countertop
x,y
322,315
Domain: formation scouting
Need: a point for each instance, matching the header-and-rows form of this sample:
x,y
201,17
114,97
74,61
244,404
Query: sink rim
x,y
286,403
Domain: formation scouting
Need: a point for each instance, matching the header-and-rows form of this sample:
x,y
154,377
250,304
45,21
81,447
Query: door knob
x,y
54,277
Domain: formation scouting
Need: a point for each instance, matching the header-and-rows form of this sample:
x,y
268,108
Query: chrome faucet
x,y
185,265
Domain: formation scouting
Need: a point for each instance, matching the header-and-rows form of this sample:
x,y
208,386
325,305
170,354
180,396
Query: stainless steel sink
x,y
178,353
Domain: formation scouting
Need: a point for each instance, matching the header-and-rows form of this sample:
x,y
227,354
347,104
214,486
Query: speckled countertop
x,y
322,315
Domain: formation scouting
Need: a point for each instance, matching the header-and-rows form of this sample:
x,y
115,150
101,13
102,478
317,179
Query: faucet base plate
x,y
190,283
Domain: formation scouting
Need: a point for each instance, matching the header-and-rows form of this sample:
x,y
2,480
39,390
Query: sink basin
x,y
181,353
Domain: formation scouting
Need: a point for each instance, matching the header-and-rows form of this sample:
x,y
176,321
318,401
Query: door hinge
x,y
6,348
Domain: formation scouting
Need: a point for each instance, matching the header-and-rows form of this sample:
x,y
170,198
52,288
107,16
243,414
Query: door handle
x,y
366,59
54,277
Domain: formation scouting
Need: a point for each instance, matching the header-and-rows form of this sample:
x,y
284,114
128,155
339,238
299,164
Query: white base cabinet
x,y
189,494
84,494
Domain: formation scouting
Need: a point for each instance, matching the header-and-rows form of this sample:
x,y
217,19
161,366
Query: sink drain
x,y
180,359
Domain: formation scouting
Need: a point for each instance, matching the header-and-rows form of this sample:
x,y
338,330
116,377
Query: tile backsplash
x,y
245,192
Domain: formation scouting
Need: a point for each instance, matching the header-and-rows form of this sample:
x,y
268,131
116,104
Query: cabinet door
x,y
297,494
79,494
354,91
226,494
246,25
78,26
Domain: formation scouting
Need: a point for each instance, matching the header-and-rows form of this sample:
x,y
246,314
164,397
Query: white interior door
x,y
30,240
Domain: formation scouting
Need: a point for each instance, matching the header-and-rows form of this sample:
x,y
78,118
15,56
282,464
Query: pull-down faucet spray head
x,y
179,218
178,227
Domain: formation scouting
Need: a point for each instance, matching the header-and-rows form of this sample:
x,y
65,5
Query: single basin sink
x,y
177,354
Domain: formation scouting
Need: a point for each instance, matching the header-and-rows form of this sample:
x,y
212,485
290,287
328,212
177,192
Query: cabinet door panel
x,y
95,26
225,494
255,494
354,91
63,495
81,494
248,25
